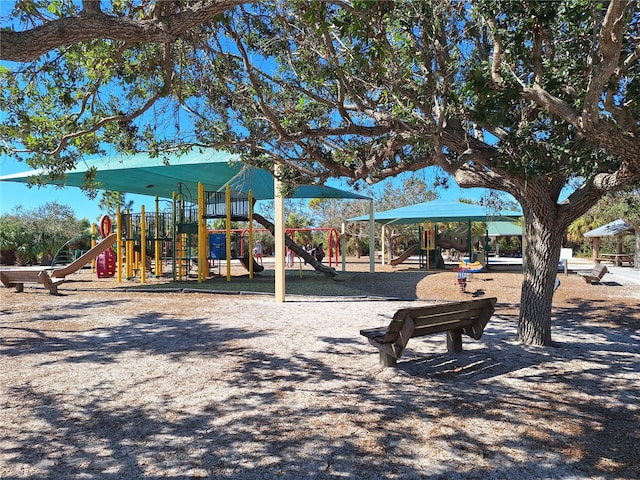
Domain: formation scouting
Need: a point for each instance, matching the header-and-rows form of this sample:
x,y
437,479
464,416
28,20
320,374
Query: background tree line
x,y
33,236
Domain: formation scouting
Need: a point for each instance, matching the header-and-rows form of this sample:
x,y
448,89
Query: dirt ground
x,y
105,381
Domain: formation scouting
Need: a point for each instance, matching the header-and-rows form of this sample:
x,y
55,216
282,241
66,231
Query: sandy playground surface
x,y
103,383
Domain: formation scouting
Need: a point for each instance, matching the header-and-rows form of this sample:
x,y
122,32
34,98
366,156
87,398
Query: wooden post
x,y
372,239
279,239
94,234
454,341
343,246
387,360
595,247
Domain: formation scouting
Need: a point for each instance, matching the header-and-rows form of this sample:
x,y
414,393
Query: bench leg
x,y
454,341
387,360
19,287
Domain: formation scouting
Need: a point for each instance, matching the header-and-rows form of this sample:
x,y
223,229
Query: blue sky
x,y
13,194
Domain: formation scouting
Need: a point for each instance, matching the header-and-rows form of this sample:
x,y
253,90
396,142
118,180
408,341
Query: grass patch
x,y
311,283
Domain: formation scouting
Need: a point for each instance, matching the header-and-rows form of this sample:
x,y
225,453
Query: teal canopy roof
x,y
503,229
438,211
169,173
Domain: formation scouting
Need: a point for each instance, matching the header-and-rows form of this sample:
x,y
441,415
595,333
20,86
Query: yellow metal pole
x,y
119,243
202,230
228,225
174,239
157,250
143,246
183,259
129,246
94,233
250,247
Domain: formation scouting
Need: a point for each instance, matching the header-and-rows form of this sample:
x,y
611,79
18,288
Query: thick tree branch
x,y
552,104
90,7
92,24
610,40
496,60
467,176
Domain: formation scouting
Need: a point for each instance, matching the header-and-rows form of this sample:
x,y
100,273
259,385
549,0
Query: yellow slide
x,y
85,258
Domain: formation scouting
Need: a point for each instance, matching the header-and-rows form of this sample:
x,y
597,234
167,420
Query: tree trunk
x,y
388,241
541,254
636,257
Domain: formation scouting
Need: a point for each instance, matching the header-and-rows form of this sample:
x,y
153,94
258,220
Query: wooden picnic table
x,y
618,258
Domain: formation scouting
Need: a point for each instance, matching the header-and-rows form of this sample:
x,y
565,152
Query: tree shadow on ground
x,y
498,410
153,333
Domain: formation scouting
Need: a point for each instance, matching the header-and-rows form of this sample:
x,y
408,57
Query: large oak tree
x,y
522,97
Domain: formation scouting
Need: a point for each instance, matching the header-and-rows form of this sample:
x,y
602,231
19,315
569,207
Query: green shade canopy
x,y
504,229
438,211
169,173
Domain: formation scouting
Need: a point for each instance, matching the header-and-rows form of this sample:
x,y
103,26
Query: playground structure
x,y
431,243
241,247
427,248
181,238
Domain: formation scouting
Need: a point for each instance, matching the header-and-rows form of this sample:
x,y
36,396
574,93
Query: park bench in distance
x,y
18,277
594,275
468,317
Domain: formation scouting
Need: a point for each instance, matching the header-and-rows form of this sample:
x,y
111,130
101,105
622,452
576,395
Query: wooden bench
x,y
468,317
18,277
598,260
594,275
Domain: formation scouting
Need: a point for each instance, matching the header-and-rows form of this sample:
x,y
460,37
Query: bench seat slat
x,y
17,278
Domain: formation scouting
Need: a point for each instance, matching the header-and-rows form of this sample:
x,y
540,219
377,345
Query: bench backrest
x,y
9,277
471,317
598,271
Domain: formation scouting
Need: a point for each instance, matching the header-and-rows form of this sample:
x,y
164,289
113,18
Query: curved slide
x,y
257,268
455,243
455,238
406,254
85,258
